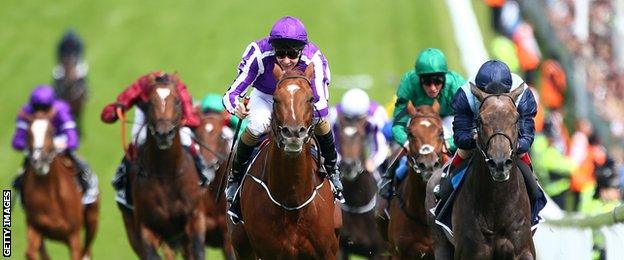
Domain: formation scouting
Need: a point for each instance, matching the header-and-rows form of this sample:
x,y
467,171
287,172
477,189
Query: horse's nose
x,y
293,131
500,163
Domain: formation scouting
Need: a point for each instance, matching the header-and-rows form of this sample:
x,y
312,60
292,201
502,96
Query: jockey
x,y
376,119
431,81
70,47
466,108
42,98
286,46
136,94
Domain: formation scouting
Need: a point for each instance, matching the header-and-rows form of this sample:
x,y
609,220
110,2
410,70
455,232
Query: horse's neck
x,y
164,160
290,179
414,191
360,190
494,196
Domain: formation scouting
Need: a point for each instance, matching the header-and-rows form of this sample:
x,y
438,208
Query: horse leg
x,y
91,222
35,242
43,253
228,249
149,242
131,230
74,245
196,232
168,252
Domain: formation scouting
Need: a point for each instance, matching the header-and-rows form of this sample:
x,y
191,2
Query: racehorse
x,y
72,87
408,230
359,233
51,195
491,212
289,211
167,199
213,135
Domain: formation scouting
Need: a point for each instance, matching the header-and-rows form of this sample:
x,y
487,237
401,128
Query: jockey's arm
x,y
191,119
21,132
67,125
527,109
400,115
380,146
247,73
125,100
463,123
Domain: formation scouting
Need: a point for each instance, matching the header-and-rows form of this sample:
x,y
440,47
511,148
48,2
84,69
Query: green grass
x,y
203,41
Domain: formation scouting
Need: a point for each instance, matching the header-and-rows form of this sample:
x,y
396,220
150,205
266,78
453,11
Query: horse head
x,y
164,109
497,128
214,134
352,137
293,109
41,141
426,140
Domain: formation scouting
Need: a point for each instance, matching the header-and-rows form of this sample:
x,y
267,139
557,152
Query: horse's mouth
x,y
42,168
500,176
293,146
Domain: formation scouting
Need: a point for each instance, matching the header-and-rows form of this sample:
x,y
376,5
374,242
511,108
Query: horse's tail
x,y
503,249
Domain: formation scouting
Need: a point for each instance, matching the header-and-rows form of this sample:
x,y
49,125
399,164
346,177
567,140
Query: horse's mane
x,y
496,88
293,73
426,110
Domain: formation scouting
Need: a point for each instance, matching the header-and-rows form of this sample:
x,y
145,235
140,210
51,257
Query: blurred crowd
x,y
574,166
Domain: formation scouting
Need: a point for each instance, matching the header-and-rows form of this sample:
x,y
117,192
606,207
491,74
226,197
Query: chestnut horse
x,y
167,198
51,195
408,230
491,211
289,211
215,138
72,87
359,233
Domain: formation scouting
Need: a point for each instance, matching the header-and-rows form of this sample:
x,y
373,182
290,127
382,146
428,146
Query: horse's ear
x,y
411,109
309,72
518,91
436,106
277,72
478,93
151,79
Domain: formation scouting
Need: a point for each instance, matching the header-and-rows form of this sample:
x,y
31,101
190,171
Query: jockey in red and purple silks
x,y
42,98
286,46
138,94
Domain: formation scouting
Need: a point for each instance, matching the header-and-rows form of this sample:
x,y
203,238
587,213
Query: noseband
x,y
484,147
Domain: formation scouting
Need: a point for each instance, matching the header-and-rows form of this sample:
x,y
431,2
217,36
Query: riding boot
x,y
120,180
239,164
444,189
84,171
204,172
328,150
536,195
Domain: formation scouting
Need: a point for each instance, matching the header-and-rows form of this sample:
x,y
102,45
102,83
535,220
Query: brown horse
x,y
72,88
408,230
359,233
215,145
168,202
289,211
491,213
51,195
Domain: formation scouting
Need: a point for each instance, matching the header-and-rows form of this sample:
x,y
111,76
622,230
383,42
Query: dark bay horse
x,y
408,231
214,136
72,86
359,232
167,199
289,211
491,213
51,195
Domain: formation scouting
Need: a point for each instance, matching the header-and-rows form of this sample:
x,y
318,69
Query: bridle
x,y
483,147
425,148
276,126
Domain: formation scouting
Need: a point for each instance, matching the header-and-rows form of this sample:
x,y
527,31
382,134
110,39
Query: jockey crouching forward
x,y
286,46
137,93
66,140
355,105
466,107
431,81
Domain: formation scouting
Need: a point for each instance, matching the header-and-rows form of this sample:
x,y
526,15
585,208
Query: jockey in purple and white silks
x,y
66,140
376,118
286,46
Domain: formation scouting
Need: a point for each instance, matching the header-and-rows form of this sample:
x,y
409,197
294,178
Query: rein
x,y
360,209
